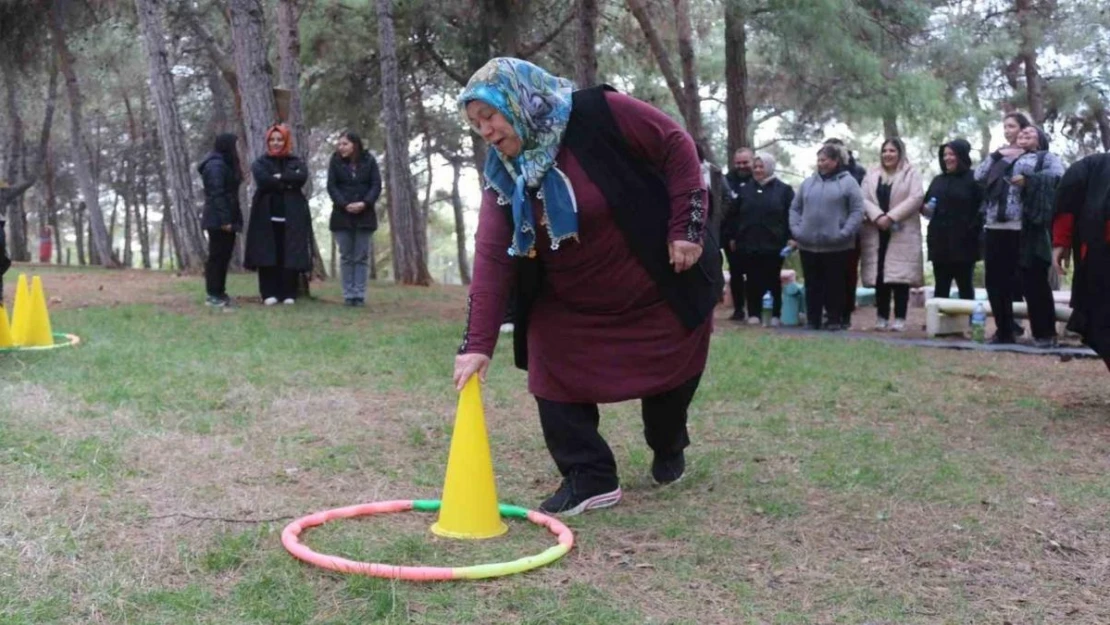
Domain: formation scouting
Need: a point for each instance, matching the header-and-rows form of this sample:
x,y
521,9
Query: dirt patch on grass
x,y
69,289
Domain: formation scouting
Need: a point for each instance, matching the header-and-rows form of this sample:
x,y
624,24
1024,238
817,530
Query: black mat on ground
x,y
1063,351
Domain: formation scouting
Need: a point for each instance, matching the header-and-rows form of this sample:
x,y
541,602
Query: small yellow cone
x,y
469,503
38,329
21,311
5,329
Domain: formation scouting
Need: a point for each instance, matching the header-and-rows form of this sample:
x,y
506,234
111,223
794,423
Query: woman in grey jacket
x,y
825,218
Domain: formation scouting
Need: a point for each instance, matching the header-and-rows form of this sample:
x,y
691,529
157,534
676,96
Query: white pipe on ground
x,y
966,307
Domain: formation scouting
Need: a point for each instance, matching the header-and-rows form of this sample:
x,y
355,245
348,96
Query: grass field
x,y
146,475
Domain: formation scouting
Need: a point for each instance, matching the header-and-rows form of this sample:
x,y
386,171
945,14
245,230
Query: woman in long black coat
x,y
955,223
280,223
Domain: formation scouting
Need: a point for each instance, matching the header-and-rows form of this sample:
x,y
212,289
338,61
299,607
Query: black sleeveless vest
x,y
641,207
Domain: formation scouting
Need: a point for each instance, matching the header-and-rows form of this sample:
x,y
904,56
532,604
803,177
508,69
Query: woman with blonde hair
x,y
891,237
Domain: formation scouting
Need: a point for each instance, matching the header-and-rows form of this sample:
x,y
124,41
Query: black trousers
x,y
883,291
851,280
277,281
764,271
825,275
221,245
961,273
5,262
1003,255
581,453
736,271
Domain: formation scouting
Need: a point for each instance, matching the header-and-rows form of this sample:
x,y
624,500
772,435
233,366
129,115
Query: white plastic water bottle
x,y
768,306
979,323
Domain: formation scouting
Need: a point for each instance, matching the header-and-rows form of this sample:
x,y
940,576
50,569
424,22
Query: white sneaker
x,y
289,301
775,322
269,301
754,321
882,325
899,325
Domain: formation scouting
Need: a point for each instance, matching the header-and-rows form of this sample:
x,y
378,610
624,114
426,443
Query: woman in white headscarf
x,y
762,230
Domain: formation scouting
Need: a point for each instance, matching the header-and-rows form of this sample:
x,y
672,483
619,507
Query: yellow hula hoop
x,y
61,340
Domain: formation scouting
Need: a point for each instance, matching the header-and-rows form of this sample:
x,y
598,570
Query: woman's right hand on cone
x,y
467,365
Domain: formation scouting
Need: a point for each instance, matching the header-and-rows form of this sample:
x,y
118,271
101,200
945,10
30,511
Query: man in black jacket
x,y
735,181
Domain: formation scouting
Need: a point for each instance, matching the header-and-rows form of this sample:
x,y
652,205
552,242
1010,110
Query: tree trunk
x,y
736,77
426,135
408,232
112,220
685,92
17,235
1102,118
460,221
289,77
255,92
1028,54
127,201
89,184
585,64
289,71
174,147
161,244
51,201
79,231
638,8
167,215
890,125
689,74
256,87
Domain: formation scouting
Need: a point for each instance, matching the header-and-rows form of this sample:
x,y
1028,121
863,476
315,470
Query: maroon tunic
x,y
600,331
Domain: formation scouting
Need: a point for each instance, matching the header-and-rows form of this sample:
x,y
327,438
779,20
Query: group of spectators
x,y
279,237
854,225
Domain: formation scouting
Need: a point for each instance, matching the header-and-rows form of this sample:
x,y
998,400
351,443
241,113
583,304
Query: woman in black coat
x,y
280,223
955,222
354,185
222,217
762,230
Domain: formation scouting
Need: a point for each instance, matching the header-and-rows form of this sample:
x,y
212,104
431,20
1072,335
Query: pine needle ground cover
x,y
145,477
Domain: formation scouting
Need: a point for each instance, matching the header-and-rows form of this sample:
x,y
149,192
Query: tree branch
x,y
438,59
220,57
528,50
639,11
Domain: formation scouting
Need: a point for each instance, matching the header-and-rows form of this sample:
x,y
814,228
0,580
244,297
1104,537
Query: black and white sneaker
x,y
567,502
668,470
216,302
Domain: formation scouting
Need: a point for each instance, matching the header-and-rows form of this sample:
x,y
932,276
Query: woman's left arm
x,y
911,204
660,141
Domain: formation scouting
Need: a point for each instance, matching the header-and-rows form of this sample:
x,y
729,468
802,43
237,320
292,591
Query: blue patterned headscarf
x,y
538,106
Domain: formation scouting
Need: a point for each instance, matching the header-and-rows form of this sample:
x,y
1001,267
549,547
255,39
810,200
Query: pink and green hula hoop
x,y
60,340
290,539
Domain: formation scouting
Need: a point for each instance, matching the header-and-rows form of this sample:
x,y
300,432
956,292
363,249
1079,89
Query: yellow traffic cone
x,y
38,327
21,311
469,503
5,329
